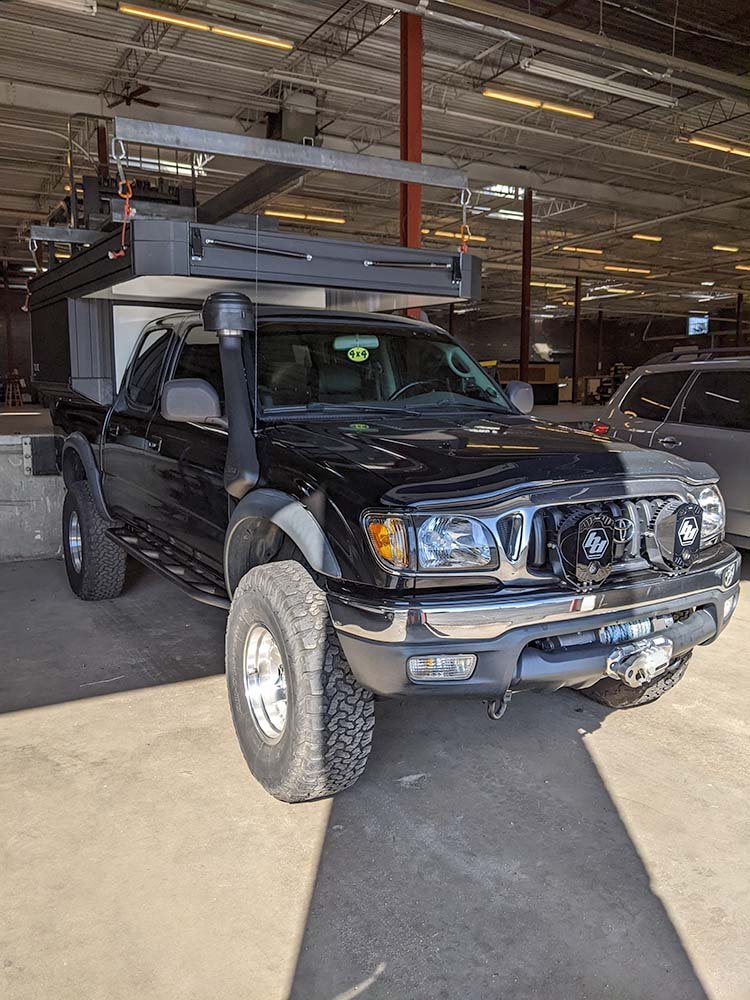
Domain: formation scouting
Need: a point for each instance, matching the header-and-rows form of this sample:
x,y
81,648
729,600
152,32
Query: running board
x,y
195,580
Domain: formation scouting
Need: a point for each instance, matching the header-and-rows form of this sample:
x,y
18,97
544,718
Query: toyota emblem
x,y
624,530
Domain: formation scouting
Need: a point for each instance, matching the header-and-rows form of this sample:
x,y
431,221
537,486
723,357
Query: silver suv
x,y
694,403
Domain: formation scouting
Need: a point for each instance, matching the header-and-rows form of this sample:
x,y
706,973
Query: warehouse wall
x,y
627,340
15,334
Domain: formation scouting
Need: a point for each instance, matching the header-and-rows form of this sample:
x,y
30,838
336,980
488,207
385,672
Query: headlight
x,y
433,543
712,505
449,542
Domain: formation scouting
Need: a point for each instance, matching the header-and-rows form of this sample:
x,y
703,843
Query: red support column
x,y
411,126
738,321
577,337
525,339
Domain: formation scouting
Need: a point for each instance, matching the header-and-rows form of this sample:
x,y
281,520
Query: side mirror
x,y
190,400
521,396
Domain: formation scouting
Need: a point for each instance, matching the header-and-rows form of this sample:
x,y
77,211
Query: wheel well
x,y
72,467
256,542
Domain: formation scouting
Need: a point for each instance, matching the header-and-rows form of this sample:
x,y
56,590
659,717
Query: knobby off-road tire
x,y
94,563
323,744
615,694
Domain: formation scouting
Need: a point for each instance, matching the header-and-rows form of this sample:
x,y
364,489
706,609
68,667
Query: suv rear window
x,y
652,396
719,399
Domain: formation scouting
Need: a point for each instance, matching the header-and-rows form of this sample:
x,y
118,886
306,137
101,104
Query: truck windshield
x,y
315,365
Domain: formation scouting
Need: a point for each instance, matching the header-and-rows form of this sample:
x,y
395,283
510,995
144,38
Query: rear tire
x,y
94,563
615,694
282,647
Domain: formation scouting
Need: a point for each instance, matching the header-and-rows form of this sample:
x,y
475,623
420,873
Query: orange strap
x,y
125,191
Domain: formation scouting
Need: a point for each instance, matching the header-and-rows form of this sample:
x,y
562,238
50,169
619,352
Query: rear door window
x,y
143,383
652,396
719,399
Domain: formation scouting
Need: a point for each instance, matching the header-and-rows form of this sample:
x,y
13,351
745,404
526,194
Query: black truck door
x,y
127,489
187,460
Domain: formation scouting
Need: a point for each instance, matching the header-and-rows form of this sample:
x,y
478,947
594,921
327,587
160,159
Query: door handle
x,y
670,442
154,444
114,430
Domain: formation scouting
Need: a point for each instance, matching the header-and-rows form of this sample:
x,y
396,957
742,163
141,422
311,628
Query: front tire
x,y
303,722
94,563
615,694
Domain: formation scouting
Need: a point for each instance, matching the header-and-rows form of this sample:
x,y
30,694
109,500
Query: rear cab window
x,y
652,396
719,399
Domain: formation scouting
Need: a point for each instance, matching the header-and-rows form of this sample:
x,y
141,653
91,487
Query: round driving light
x,y
441,667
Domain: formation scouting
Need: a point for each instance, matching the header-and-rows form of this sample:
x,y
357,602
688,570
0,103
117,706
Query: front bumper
x,y
378,638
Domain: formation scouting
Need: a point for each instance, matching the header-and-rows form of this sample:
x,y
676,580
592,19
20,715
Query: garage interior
x,y
568,852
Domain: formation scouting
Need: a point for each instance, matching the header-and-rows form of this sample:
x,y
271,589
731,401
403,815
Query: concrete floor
x,y
566,853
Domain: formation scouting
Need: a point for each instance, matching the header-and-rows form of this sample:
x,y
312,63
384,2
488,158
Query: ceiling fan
x,y
134,94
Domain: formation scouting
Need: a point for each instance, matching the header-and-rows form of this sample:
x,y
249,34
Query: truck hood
x,y
416,459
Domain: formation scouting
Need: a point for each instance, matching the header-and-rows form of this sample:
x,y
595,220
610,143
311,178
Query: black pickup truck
x,y
380,518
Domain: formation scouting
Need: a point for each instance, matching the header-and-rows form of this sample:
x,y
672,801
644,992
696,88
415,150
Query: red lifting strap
x,y
125,191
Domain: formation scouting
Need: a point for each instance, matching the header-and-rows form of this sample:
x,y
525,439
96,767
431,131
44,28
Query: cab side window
x,y
652,396
199,358
719,399
143,383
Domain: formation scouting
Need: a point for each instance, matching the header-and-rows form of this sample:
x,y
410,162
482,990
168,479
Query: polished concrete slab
x,y
565,853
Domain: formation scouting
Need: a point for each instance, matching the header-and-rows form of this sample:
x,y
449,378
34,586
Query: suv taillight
x,y
599,427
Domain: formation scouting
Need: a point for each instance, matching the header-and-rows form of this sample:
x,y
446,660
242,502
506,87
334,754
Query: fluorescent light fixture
x,y
425,232
621,269
548,284
505,213
457,236
174,167
504,191
29,270
725,249
742,267
698,312
582,250
164,17
619,291
535,102
717,144
564,75
647,238
708,284
337,220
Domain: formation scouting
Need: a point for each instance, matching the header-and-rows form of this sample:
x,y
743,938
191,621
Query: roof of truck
x,y
302,313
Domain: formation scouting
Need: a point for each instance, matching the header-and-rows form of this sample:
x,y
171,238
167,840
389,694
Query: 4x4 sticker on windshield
x,y
358,354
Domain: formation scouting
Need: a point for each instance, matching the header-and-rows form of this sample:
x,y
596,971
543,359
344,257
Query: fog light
x,y
441,667
729,607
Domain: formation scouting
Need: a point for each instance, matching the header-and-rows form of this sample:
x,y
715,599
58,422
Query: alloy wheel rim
x,y
74,542
265,683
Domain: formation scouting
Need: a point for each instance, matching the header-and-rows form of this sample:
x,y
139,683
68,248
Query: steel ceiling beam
x,y
248,191
286,153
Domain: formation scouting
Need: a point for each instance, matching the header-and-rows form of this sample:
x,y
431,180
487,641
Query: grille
x,y
630,553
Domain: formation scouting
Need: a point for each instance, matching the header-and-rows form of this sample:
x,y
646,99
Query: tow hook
x,y
497,707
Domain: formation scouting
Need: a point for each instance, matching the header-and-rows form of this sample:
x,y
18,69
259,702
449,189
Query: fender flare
x,y
294,519
78,443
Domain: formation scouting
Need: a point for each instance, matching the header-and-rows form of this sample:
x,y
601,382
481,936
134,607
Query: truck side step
x,y
188,574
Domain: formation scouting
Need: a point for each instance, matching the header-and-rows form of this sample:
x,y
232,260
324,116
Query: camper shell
x,y
86,312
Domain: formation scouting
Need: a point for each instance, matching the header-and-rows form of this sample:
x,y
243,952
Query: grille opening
x,y
630,553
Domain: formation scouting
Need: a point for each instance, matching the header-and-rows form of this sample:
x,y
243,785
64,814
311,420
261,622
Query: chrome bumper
x,y
377,638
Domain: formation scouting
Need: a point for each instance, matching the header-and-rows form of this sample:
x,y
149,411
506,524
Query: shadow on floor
x,y
57,648
480,860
